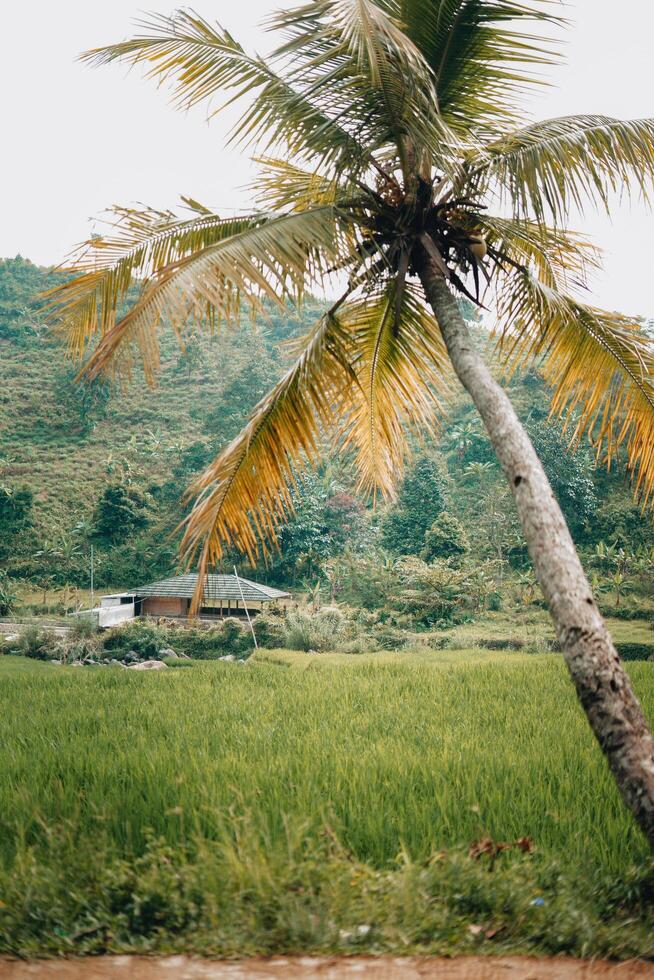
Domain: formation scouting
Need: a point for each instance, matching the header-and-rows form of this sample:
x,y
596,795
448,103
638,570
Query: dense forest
x,y
107,465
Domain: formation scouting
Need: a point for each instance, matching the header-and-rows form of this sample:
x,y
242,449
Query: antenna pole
x,y
247,611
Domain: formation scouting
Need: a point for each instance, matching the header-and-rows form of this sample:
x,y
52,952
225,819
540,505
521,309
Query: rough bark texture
x,y
602,684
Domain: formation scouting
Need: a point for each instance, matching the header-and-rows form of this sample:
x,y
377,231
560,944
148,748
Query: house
x,y
224,595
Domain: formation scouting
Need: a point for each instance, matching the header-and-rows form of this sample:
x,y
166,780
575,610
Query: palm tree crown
x,y
384,130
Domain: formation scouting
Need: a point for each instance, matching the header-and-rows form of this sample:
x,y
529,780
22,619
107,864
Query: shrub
x,y
35,643
269,631
388,637
323,630
635,651
228,637
144,639
446,538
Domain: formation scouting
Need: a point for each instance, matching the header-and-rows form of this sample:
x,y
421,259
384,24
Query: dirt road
x,y
327,968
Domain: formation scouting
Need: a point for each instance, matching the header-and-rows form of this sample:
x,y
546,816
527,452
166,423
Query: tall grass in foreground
x,y
267,767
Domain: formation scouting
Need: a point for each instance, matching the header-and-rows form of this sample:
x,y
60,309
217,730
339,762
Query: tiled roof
x,y
216,587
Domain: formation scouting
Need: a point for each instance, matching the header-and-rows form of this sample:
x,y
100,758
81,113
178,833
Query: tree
x,y
446,538
396,125
119,511
420,501
16,516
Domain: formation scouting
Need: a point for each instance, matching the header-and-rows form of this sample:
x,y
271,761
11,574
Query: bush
x,y
322,631
635,651
227,637
144,639
35,643
269,631
388,637
446,538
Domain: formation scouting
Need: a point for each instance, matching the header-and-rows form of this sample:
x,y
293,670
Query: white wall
x,y
114,615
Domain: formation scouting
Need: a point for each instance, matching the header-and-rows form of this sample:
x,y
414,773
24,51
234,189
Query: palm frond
x,y
201,61
139,245
402,368
560,258
281,185
600,365
244,496
361,45
483,54
262,257
546,168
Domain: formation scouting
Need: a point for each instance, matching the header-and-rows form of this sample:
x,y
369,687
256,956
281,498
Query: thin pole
x,y
247,611
92,580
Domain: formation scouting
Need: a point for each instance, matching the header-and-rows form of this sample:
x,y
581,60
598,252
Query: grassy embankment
x,y
235,810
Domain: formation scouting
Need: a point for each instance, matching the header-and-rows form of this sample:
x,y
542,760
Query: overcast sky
x,y
78,139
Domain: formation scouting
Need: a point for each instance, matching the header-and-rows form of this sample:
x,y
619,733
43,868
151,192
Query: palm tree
x,y
394,155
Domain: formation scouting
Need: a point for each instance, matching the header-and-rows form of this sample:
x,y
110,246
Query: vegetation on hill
x,y
79,468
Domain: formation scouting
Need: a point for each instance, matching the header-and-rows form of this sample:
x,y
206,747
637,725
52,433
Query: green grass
x,y
278,806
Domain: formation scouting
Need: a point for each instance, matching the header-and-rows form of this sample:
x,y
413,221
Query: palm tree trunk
x,y
602,684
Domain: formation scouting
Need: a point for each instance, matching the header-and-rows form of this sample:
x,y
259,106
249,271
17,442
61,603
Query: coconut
x,y
478,247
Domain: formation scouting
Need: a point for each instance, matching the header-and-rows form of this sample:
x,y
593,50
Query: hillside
x,y
68,444
108,466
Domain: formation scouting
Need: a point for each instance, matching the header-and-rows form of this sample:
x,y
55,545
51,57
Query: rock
x,y
230,658
149,665
167,652
77,663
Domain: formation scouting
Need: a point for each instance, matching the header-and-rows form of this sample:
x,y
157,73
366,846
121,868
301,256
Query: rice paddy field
x,y
314,803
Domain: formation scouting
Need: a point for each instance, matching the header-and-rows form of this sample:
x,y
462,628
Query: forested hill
x,y
94,465
69,444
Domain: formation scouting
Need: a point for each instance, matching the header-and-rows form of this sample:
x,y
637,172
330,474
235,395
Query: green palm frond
x,y
262,257
561,259
483,54
201,61
545,169
362,44
402,370
600,365
244,496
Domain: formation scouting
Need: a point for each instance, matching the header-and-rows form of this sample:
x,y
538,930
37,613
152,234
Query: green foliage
x,y
35,643
248,756
420,501
144,639
635,651
16,516
147,640
319,631
7,596
119,512
446,538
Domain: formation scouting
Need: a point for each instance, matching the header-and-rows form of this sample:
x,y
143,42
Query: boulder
x,y
149,665
168,653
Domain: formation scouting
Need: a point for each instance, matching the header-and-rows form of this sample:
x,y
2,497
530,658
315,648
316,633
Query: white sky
x,y
76,139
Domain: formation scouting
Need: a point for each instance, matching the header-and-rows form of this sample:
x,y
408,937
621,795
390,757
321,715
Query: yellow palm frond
x,y
138,246
268,257
546,168
402,369
600,365
282,185
244,496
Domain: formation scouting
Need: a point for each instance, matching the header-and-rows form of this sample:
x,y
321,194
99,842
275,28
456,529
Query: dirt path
x,y
326,968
